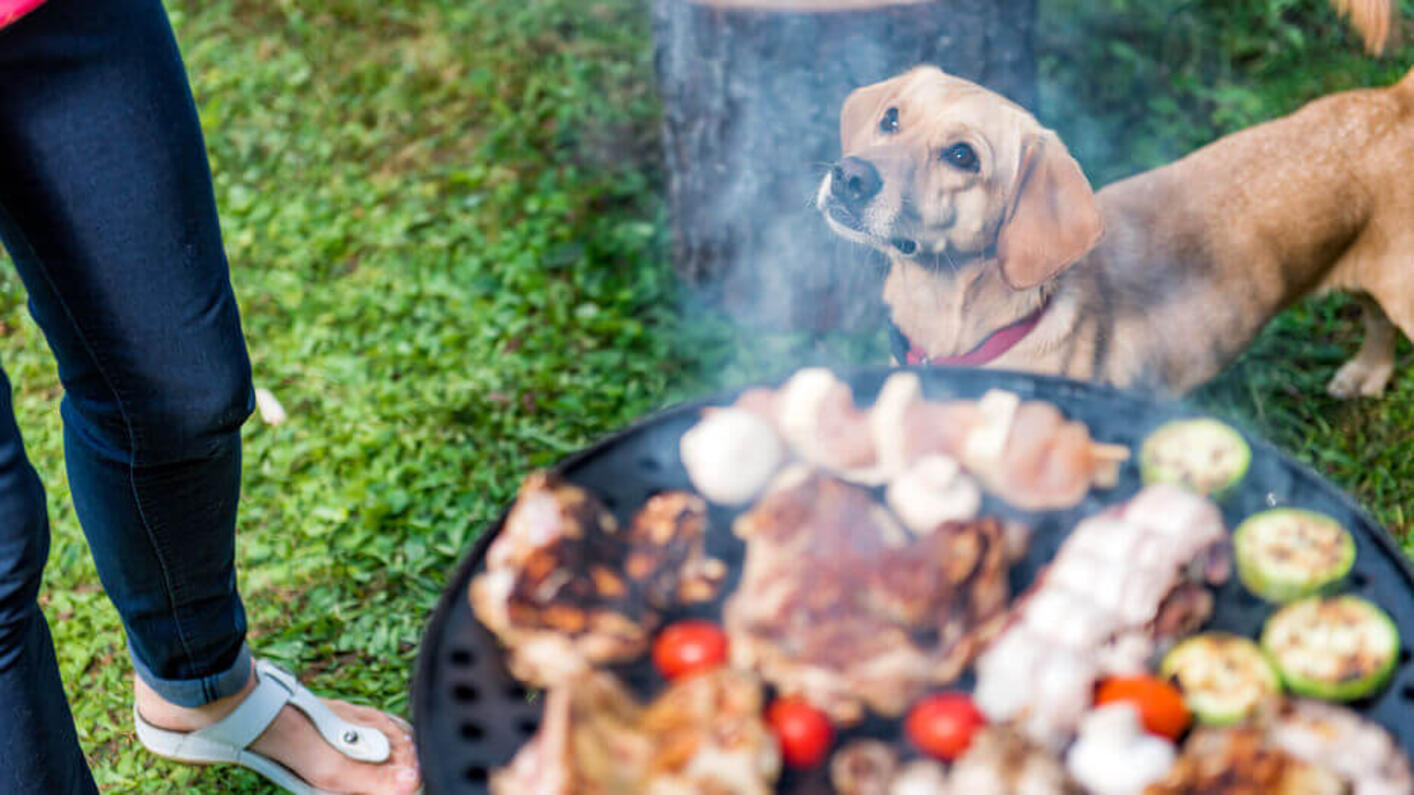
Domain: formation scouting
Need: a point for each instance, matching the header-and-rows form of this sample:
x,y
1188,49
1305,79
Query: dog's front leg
x,y
1367,374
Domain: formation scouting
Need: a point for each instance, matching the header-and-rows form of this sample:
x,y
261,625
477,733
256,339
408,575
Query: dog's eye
x,y
889,123
961,156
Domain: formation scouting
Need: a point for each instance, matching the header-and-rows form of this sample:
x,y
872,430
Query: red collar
x,y
996,344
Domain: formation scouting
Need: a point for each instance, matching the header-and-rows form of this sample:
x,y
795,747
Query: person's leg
x,y
39,752
106,207
107,211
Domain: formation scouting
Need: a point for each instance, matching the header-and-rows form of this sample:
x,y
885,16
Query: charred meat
x,y
702,736
839,605
1101,608
565,586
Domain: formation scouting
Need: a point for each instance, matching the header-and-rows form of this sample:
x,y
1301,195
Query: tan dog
x,y
1000,253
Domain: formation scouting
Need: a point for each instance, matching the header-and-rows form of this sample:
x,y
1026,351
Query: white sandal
x,y
226,740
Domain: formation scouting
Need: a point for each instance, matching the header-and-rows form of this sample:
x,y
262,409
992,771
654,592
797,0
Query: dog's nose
x,y
854,181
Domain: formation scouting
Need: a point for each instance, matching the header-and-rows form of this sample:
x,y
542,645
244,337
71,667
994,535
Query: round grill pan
x,y
471,717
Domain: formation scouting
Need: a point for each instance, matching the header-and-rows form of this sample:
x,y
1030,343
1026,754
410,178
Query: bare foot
x,y
293,741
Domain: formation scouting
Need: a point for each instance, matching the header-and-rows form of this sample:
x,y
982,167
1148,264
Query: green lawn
x,y
447,234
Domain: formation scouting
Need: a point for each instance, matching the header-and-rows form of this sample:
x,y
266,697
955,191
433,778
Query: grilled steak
x,y
838,604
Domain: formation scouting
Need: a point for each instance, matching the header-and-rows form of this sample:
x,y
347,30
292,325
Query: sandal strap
x,y
251,717
356,741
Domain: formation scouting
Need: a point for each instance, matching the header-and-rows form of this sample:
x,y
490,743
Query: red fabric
x,y
11,10
996,344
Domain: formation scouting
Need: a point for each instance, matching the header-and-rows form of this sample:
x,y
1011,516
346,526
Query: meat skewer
x,y
1100,608
1025,452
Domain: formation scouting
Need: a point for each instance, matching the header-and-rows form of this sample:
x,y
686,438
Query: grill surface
x,y
470,716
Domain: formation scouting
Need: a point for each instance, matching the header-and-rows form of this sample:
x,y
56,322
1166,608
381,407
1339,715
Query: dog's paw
x,y
1357,379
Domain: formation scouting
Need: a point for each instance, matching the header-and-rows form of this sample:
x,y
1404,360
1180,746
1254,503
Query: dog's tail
x,y
1373,19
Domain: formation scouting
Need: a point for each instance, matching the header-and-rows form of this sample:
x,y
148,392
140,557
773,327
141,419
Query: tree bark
x,y
752,91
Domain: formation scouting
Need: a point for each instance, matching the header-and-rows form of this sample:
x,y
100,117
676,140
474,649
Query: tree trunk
x,y
751,93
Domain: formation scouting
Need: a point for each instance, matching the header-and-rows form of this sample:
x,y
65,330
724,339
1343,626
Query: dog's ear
x,y
1053,220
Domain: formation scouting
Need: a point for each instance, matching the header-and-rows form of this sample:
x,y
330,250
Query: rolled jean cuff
x,y
198,692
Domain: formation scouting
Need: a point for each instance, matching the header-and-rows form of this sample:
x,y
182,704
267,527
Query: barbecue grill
x,y
471,716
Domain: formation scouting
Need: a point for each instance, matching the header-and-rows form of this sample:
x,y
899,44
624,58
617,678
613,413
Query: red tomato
x,y
1160,704
942,725
689,646
804,732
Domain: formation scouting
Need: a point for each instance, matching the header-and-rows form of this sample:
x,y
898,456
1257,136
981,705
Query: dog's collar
x,y
996,344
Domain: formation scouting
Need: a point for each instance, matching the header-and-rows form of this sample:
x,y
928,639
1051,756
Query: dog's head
x,y
940,171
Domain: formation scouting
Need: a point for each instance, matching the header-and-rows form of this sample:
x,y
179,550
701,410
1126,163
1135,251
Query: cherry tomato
x,y
689,646
804,732
942,725
1160,704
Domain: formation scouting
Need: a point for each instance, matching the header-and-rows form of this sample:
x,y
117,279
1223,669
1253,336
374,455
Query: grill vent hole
x,y
1404,656
476,774
648,464
1407,692
472,731
528,727
462,658
466,694
1359,579
516,693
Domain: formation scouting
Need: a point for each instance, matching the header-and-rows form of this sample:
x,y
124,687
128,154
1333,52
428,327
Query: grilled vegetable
x,y
1340,648
1160,705
1202,455
1223,677
803,732
942,725
688,647
1289,553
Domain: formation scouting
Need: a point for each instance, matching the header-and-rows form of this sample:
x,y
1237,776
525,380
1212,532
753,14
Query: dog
x,y
1001,254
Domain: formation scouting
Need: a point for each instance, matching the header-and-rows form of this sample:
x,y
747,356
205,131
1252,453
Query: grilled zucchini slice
x,y
1289,553
1224,677
1202,455
1338,648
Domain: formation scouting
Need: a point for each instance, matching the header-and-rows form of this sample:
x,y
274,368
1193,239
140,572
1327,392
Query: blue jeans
x,y
107,210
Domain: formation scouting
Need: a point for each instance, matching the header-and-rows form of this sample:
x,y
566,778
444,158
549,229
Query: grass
x,y
447,234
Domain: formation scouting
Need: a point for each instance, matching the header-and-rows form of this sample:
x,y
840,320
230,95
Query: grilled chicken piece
x,y
1002,762
1240,761
839,605
1339,740
555,590
666,551
1100,608
702,736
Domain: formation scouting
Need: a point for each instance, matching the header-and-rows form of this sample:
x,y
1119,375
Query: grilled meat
x,y
566,586
1293,747
666,551
1240,761
1025,452
1340,740
702,736
838,604
1002,762
1096,609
